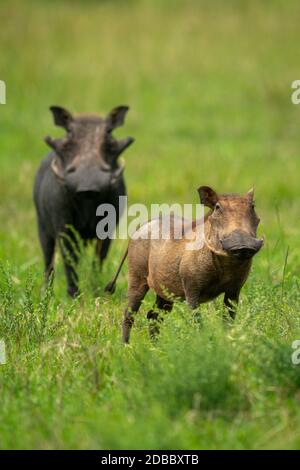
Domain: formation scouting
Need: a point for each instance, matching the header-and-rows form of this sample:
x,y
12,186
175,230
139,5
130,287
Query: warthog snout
x,y
87,178
241,245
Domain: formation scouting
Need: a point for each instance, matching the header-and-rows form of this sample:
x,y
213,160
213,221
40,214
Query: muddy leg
x,y
103,249
192,295
98,248
70,253
48,247
135,297
230,302
153,315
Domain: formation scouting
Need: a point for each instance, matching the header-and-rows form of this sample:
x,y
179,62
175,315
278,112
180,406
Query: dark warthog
x,y
80,173
220,265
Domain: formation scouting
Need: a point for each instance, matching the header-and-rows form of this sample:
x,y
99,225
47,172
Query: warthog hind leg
x,y
135,297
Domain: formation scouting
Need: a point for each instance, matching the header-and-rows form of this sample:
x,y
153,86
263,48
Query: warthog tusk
x,y
216,252
56,170
105,166
118,173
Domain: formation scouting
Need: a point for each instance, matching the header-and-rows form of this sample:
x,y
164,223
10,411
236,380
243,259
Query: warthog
x,y
173,270
80,173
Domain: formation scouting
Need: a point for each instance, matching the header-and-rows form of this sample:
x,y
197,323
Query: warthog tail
x,y
111,286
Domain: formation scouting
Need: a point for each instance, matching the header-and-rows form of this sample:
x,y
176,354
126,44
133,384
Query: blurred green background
x,y
209,89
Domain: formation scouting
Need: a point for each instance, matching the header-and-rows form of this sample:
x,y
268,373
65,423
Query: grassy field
x,y
209,86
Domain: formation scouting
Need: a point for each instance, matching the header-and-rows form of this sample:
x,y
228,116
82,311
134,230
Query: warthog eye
x,y
217,206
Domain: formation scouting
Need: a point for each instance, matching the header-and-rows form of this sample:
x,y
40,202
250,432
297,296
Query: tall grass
x,y
69,381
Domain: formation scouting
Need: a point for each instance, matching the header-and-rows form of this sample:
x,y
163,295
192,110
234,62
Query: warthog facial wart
x,y
2,352
2,92
296,353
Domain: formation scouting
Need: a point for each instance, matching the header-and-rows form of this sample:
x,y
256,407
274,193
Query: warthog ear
x,y
250,194
208,197
116,117
62,117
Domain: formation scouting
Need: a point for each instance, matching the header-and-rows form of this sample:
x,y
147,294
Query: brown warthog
x,y
174,270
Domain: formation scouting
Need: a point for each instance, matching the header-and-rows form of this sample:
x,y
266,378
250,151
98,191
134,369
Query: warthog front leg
x,y
192,295
48,247
70,253
102,247
154,317
230,303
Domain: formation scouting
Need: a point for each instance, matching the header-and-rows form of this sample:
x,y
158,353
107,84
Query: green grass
x,y
209,86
